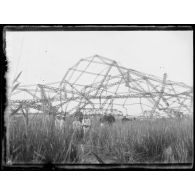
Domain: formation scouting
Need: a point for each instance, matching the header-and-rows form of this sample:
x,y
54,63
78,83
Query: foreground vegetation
x,y
158,141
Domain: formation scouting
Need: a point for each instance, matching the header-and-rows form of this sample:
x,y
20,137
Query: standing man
x,y
78,136
86,123
79,114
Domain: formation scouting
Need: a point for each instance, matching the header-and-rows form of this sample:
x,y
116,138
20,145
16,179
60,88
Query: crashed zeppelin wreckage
x,y
98,85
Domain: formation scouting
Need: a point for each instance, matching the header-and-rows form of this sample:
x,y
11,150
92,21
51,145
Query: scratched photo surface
x,y
99,97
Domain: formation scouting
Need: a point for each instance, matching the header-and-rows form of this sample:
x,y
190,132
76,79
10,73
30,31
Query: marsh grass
x,y
161,141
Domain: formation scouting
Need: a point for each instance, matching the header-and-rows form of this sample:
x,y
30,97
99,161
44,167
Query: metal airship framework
x,y
98,85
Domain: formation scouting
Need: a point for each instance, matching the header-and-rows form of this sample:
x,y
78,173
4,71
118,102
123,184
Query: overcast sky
x,y
45,56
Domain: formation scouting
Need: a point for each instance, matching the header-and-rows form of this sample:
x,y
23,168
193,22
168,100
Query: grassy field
x,y
161,141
